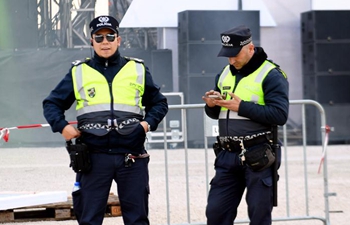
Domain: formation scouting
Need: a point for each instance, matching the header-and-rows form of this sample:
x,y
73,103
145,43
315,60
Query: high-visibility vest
x,y
248,89
94,94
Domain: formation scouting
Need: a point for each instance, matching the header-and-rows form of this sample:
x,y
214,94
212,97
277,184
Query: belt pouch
x,y
259,157
79,155
217,146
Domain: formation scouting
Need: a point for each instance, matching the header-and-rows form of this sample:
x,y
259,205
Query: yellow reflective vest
x,y
248,89
94,94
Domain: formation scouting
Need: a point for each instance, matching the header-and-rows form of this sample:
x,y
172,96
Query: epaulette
x,y
270,60
281,71
134,59
278,68
79,61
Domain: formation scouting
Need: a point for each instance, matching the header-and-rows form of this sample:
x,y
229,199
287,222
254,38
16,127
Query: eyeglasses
x,y
99,37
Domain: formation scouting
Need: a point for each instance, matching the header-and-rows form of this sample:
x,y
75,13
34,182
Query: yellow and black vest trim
x,y
94,94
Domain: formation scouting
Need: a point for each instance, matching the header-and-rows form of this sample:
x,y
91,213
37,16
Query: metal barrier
x,y
211,130
175,135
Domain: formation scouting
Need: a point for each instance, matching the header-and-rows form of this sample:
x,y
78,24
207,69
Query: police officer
x,y
254,94
117,103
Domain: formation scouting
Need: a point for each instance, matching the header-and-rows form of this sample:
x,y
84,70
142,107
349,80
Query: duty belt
x,y
238,143
109,126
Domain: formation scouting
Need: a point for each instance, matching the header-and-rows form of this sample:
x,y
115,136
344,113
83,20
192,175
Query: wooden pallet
x,y
54,211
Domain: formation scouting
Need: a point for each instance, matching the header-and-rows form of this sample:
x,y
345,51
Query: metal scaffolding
x,y
64,23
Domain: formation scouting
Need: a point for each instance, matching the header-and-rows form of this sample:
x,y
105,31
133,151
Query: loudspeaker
x,y
159,63
194,87
200,59
326,73
19,24
326,57
145,55
162,68
206,25
325,45
327,89
325,25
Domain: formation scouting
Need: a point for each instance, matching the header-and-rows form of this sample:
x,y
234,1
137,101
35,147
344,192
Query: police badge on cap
x,y
233,40
104,22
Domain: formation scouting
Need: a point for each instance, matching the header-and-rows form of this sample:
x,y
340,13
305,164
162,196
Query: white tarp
x,y
163,13
12,200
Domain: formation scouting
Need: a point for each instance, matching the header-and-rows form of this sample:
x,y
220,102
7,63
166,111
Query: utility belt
x,y
255,151
111,124
237,143
80,156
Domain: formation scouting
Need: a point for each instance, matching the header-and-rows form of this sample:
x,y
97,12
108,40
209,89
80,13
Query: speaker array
x,y
325,40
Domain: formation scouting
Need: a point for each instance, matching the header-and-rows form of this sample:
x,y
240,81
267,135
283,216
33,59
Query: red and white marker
x,y
5,131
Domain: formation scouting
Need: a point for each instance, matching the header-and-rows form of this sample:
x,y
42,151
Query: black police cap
x,y
101,22
233,40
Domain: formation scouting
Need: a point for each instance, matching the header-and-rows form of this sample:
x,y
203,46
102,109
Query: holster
x,y
79,155
217,147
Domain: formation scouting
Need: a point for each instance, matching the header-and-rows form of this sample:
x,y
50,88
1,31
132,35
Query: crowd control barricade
x,y
173,132
284,199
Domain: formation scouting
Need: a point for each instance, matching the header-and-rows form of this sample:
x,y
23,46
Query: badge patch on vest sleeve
x,y
92,92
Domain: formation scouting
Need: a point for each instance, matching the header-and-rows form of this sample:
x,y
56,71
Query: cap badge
x,y
103,19
225,39
103,22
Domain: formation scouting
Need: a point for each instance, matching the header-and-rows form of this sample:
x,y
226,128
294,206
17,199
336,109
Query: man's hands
x,y
69,132
232,104
145,126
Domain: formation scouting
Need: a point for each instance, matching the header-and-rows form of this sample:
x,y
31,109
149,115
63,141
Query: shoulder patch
x,y
79,61
134,59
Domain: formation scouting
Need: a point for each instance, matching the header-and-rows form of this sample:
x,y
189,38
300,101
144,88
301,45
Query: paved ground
x,y
46,169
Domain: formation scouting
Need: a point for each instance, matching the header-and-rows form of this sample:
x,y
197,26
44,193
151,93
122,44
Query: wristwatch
x,y
148,127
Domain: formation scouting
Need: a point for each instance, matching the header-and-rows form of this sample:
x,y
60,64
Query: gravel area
x,y
46,169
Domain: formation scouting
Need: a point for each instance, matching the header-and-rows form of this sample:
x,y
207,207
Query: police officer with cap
x,y
251,97
117,103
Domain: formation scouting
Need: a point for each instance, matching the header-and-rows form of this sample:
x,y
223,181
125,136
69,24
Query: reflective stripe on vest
x,y
93,93
248,89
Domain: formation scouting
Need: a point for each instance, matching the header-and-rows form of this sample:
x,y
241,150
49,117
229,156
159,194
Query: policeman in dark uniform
x,y
117,103
250,96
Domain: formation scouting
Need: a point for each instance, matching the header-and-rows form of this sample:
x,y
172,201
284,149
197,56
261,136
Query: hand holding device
x,y
216,97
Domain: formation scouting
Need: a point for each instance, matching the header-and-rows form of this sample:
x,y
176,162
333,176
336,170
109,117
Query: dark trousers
x,y
133,190
227,188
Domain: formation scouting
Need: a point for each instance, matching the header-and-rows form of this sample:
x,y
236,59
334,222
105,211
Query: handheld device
x,y
216,97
